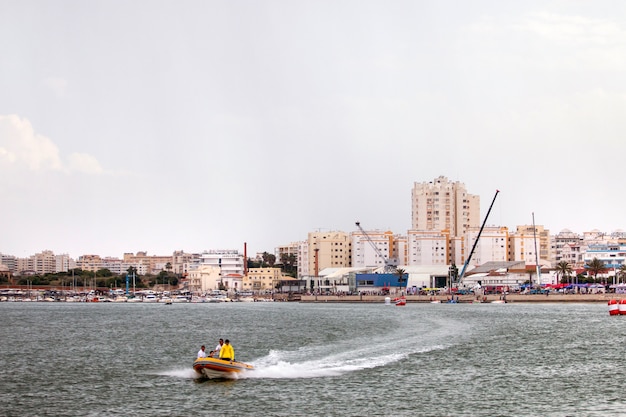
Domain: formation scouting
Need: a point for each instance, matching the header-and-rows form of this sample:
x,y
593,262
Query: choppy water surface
x,y
62,359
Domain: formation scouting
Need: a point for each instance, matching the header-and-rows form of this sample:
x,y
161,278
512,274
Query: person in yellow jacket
x,y
227,352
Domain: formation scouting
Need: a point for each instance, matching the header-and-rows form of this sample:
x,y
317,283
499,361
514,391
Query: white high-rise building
x,y
373,248
427,248
491,247
303,259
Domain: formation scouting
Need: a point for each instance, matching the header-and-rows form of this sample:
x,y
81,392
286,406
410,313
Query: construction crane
x,y
388,268
460,279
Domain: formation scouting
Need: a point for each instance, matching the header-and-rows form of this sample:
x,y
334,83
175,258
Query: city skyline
x,y
271,250
163,126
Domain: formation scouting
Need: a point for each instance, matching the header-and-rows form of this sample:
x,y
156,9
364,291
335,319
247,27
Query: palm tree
x,y
531,272
400,273
268,259
621,272
563,269
288,261
595,267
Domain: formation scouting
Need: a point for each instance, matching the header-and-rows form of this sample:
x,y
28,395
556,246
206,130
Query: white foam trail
x,y
344,356
180,373
274,367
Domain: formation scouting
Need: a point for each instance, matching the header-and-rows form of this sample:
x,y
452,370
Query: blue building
x,y
381,282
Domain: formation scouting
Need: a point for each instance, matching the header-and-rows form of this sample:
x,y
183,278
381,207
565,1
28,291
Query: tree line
x,y
100,278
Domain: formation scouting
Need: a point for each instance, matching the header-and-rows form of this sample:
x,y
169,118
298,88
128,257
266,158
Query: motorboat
x,y
217,296
150,298
180,299
219,368
400,301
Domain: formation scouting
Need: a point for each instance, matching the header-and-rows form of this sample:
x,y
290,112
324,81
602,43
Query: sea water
x,y
107,359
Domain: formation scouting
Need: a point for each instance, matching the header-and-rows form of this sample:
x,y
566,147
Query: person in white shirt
x,y
215,353
201,352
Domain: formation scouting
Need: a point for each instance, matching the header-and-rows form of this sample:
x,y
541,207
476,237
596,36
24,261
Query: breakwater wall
x,y
512,298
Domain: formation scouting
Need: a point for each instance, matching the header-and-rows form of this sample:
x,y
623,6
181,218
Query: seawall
x,y
512,298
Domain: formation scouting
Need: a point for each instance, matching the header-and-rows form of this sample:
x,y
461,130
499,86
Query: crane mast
x,y
387,267
477,237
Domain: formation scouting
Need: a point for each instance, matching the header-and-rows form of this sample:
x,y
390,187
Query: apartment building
x,y
523,242
92,263
612,255
181,262
262,279
10,262
328,250
373,249
115,265
204,278
444,205
152,264
426,247
288,250
303,259
41,263
568,247
492,246
229,261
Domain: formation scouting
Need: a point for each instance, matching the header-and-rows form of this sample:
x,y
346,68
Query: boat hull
x,y
218,368
400,301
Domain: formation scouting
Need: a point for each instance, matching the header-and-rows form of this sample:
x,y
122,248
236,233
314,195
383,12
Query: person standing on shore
x,y
227,352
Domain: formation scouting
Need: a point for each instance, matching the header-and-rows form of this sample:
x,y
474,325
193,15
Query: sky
x,y
195,125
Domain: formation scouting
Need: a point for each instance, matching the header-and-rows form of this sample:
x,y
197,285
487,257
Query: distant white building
x,y
228,261
612,256
427,248
303,260
491,247
375,252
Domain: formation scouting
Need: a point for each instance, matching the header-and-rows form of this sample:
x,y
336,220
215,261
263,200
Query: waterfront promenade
x,y
511,298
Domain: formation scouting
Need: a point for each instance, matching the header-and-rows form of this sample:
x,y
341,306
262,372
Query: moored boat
x,y
219,368
150,298
180,299
400,301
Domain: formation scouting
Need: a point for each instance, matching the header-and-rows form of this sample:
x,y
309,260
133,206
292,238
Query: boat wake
x,y
273,367
347,355
313,363
188,373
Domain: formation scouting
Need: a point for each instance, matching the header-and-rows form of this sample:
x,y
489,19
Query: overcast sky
x,y
192,125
